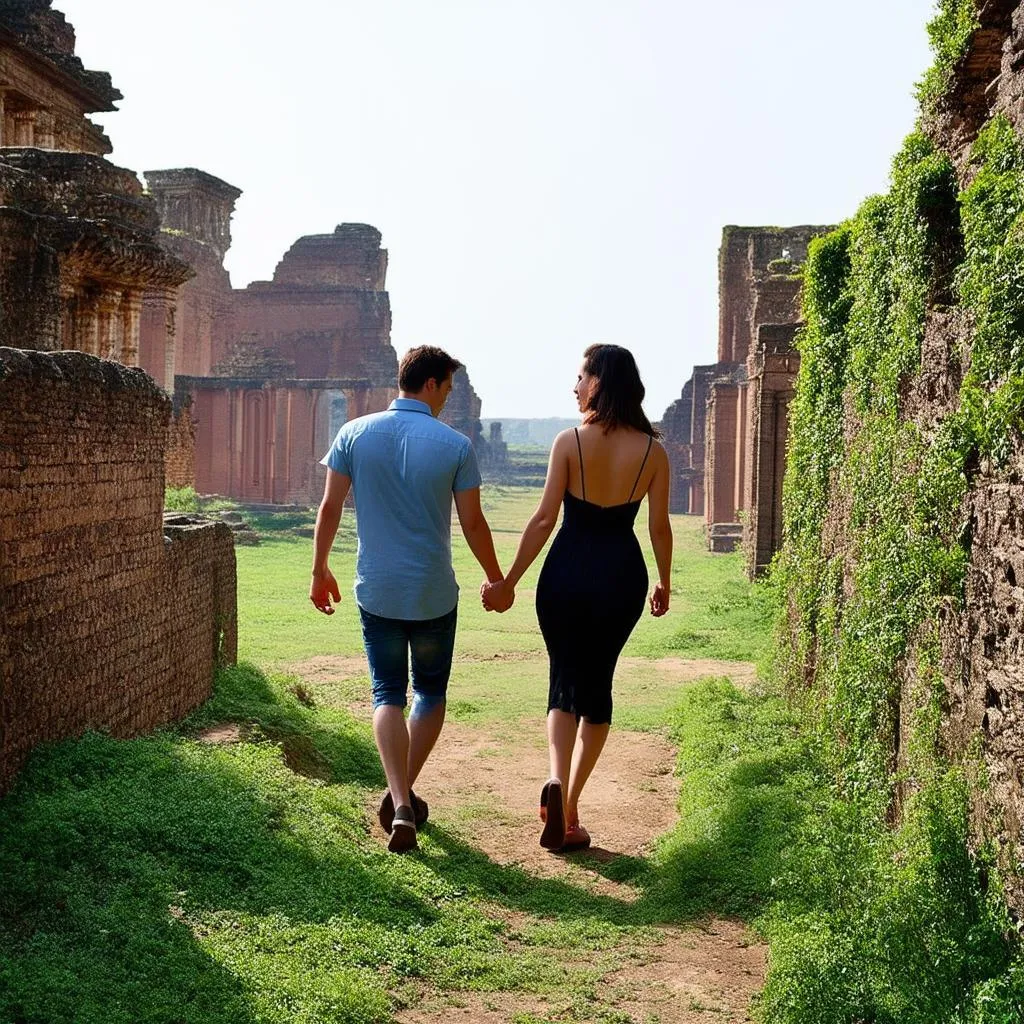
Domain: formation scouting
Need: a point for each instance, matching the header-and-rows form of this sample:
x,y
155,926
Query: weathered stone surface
x,y
79,248
194,211
727,425
684,426
326,311
263,377
47,91
462,411
111,620
759,304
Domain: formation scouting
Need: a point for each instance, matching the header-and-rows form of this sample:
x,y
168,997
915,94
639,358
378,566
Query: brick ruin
x,y
112,619
726,434
263,376
78,240
462,411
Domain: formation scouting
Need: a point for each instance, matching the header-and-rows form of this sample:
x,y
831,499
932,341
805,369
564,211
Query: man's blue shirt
x,y
404,466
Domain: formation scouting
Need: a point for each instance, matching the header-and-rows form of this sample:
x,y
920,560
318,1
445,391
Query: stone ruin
x,y
262,377
726,434
462,411
112,618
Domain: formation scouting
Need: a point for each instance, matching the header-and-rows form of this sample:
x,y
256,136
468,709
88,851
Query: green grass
x,y
167,879
715,613
164,879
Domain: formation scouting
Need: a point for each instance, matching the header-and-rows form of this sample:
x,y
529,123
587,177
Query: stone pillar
x,y
3,119
108,317
87,325
25,128
131,318
45,135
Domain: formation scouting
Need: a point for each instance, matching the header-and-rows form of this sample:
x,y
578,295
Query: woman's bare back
x,y
612,464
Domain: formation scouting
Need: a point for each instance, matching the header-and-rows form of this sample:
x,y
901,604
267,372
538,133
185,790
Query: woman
x,y
593,583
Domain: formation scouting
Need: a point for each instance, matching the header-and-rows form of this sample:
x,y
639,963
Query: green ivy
x,y
875,549
950,33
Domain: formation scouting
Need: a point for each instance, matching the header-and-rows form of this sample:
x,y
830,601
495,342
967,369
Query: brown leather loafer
x,y
386,811
403,831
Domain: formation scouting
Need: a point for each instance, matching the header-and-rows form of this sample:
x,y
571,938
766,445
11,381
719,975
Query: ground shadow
x,y
726,871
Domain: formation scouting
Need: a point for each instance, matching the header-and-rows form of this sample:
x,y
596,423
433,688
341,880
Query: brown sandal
x,y
553,836
576,838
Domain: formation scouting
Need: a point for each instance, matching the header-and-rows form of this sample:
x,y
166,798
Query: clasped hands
x,y
497,597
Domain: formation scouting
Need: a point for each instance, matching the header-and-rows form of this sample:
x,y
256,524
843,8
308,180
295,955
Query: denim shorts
x,y
389,643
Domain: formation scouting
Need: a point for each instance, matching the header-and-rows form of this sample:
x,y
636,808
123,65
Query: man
x,y
404,467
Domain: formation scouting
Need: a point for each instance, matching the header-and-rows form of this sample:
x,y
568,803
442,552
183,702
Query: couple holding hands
x,y
405,469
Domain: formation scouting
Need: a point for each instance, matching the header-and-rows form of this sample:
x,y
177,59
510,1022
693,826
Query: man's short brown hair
x,y
427,362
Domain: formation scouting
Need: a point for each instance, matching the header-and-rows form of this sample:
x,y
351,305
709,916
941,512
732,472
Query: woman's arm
x,y
542,522
660,529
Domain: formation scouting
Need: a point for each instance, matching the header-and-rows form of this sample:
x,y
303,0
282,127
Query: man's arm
x,y
323,585
477,532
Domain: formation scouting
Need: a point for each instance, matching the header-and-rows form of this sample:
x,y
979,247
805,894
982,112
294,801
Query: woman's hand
x,y
659,600
497,597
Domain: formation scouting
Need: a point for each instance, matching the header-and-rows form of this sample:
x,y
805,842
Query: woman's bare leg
x,y
561,737
587,750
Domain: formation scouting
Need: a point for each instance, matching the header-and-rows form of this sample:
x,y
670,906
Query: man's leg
x,y
387,653
431,645
393,745
424,728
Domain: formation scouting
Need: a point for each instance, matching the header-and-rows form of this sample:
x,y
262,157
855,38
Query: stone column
x,y
131,318
3,119
109,334
24,128
169,298
87,325
45,135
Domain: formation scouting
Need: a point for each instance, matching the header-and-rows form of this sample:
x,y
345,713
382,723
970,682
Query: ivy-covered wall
x,y
901,575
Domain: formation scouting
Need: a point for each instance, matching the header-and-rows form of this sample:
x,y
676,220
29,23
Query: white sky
x,y
545,174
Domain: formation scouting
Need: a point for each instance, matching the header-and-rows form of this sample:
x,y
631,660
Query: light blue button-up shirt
x,y
404,465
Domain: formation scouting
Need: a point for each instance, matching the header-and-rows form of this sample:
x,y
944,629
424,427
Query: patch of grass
x,y
166,878
278,626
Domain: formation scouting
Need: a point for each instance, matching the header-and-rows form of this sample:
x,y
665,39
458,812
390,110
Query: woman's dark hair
x,y
427,362
618,401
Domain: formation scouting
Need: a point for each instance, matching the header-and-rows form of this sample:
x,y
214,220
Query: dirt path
x,y
482,781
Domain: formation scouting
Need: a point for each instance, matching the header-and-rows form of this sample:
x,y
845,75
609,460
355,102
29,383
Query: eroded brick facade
x,y
264,376
462,411
111,619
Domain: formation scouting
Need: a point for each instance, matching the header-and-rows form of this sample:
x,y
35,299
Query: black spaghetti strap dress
x,y
590,595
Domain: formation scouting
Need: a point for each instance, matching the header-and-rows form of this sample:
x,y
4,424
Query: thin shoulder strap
x,y
579,448
650,441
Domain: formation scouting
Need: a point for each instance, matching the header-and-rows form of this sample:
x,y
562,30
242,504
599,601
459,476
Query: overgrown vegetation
x,y
901,922
950,33
181,499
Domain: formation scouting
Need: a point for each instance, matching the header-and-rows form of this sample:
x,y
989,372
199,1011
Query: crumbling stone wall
x,y
759,284
108,619
462,411
180,454
904,495
46,90
684,426
194,210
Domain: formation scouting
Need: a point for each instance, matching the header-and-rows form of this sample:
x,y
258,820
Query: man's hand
x,y
321,589
659,600
497,597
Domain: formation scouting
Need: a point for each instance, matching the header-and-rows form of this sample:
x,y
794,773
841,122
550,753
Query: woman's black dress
x,y
590,595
